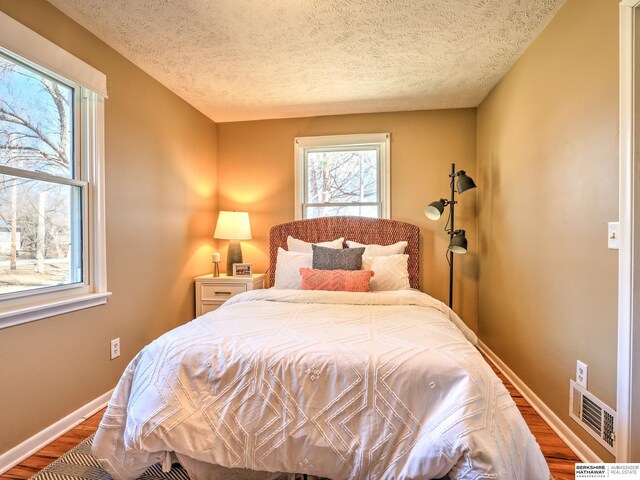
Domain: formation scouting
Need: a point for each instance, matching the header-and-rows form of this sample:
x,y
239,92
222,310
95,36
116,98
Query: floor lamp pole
x,y
435,210
452,204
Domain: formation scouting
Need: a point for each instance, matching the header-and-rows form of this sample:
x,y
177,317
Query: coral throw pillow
x,y
336,280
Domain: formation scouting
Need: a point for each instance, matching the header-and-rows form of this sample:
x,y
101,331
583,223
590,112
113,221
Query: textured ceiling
x,y
255,59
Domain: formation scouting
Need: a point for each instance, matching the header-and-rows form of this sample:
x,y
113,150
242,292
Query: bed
x,y
330,384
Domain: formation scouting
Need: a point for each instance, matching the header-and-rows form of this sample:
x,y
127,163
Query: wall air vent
x,y
593,415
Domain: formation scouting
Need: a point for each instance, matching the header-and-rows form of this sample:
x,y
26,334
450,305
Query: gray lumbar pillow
x,y
333,259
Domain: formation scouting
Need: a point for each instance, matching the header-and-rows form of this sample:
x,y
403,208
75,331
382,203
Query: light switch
x,y
614,236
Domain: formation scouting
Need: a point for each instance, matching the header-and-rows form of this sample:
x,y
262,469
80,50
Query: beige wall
x,y
548,166
256,174
160,211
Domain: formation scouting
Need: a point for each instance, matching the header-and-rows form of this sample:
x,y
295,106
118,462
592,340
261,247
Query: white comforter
x,y
339,385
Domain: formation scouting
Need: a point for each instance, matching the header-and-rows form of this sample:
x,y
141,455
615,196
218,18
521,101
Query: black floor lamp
x,y
457,238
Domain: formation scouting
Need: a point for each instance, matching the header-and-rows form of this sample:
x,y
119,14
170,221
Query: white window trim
x,y
43,55
383,139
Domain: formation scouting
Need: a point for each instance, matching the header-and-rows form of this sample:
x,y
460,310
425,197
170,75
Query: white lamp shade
x,y
233,226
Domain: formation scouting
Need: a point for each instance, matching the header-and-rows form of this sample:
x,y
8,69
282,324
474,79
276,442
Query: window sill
x,y
28,313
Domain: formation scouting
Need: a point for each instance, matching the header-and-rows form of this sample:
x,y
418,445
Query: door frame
x,y
628,389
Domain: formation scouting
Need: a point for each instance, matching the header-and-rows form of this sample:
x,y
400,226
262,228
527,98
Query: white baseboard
x,y
31,445
574,442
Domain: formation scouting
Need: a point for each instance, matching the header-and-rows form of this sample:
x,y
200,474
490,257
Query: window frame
x,y
25,47
380,141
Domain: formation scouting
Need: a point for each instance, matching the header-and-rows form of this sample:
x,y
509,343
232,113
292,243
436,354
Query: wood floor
x,y
560,458
55,449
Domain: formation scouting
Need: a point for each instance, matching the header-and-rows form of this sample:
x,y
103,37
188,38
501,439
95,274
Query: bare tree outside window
x,y
40,207
342,182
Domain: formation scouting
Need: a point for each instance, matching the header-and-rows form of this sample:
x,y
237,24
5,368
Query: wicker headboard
x,y
357,229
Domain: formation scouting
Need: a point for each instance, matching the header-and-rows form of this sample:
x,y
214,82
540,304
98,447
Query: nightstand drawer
x,y
220,291
211,292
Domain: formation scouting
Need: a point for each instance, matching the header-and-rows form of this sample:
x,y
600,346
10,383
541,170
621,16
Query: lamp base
x,y
234,255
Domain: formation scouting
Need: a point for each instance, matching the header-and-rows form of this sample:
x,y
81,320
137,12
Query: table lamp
x,y
233,226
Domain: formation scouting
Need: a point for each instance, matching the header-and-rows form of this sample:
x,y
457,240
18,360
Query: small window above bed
x,y
342,175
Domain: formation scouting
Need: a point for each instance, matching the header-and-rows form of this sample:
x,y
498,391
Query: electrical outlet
x,y
115,348
581,374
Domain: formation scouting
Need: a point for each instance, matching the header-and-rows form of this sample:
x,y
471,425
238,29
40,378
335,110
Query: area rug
x,y
80,464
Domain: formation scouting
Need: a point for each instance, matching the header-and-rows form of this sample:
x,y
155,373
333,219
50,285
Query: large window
x,y
41,186
51,194
342,175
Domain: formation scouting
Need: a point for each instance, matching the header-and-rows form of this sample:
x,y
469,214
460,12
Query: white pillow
x,y
295,245
374,250
391,272
288,265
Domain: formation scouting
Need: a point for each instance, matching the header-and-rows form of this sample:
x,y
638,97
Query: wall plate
x,y
613,236
581,374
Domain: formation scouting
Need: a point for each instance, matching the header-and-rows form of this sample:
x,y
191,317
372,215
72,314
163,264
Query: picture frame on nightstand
x,y
242,270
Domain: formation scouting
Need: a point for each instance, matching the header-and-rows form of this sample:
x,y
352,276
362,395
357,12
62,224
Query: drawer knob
x,y
223,293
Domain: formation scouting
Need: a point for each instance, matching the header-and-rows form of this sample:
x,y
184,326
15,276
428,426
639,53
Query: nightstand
x,y
211,292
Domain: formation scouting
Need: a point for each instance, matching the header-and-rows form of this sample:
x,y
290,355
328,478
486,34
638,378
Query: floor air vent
x,y
593,415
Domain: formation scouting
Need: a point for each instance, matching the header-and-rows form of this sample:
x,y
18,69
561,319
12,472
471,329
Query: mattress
x,y
384,385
